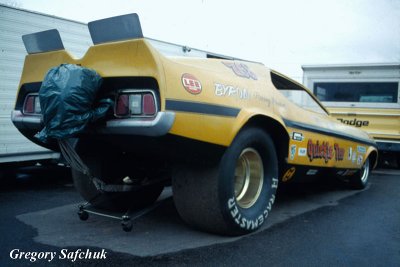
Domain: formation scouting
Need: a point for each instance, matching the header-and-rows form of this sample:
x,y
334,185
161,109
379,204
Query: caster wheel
x,y
83,215
126,224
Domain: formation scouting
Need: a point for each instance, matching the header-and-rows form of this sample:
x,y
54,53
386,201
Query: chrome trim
x,y
369,105
364,114
28,156
158,126
384,134
387,141
26,121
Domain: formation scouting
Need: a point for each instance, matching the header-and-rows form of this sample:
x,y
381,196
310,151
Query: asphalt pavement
x,y
318,224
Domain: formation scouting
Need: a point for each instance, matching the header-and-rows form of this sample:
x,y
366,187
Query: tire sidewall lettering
x,y
249,224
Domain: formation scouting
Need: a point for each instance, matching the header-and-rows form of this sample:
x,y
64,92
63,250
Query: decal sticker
x,y
292,151
350,153
312,172
231,91
362,149
319,151
354,157
278,103
241,70
360,159
288,174
302,151
191,84
262,98
297,136
339,152
354,122
324,151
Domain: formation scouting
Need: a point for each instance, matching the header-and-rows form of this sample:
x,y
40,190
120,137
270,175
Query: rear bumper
x,y
29,156
158,126
24,122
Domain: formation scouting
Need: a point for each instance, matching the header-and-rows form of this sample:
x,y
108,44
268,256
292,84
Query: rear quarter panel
x,y
223,93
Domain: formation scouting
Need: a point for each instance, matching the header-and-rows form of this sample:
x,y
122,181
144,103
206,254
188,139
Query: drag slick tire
x,y
359,180
234,195
112,170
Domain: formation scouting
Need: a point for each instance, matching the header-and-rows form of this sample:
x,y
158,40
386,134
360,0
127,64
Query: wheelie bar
x,y
126,218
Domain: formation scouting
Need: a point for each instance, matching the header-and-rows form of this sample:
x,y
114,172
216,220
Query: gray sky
x,y
282,34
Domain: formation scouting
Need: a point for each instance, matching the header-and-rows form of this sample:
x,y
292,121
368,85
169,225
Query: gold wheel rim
x,y
249,178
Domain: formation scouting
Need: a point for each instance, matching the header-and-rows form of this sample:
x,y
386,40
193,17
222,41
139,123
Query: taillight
x,y
122,107
135,104
149,105
32,105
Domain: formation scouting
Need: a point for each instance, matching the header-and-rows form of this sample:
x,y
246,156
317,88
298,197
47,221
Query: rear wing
x,y
120,28
113,29
41,42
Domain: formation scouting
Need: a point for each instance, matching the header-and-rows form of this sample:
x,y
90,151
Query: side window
x,y
296,94
361,92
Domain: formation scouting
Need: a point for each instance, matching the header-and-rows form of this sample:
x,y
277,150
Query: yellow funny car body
x,y
224,132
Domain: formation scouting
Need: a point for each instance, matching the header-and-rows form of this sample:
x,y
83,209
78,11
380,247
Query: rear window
x,y
363,92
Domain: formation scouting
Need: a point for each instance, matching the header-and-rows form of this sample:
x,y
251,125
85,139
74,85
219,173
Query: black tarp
x,y
69,101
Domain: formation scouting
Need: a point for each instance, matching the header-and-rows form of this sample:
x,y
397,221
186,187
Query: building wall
x,y
13,24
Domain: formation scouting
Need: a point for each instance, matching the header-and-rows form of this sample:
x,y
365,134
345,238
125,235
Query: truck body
x,y
365,96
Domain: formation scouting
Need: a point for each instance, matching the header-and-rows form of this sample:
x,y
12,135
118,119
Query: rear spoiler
x,y
120,28
101,31
41,42
115,29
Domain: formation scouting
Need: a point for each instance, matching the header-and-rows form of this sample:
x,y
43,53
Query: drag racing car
x,y
224,132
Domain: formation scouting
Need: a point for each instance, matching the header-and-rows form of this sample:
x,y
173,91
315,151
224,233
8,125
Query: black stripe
x,y
202,108
316,129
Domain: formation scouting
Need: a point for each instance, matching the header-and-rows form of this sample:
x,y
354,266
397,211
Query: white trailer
x,y
15,22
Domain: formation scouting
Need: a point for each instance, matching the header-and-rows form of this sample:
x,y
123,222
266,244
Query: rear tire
x,y
111,172
359,180
235,195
